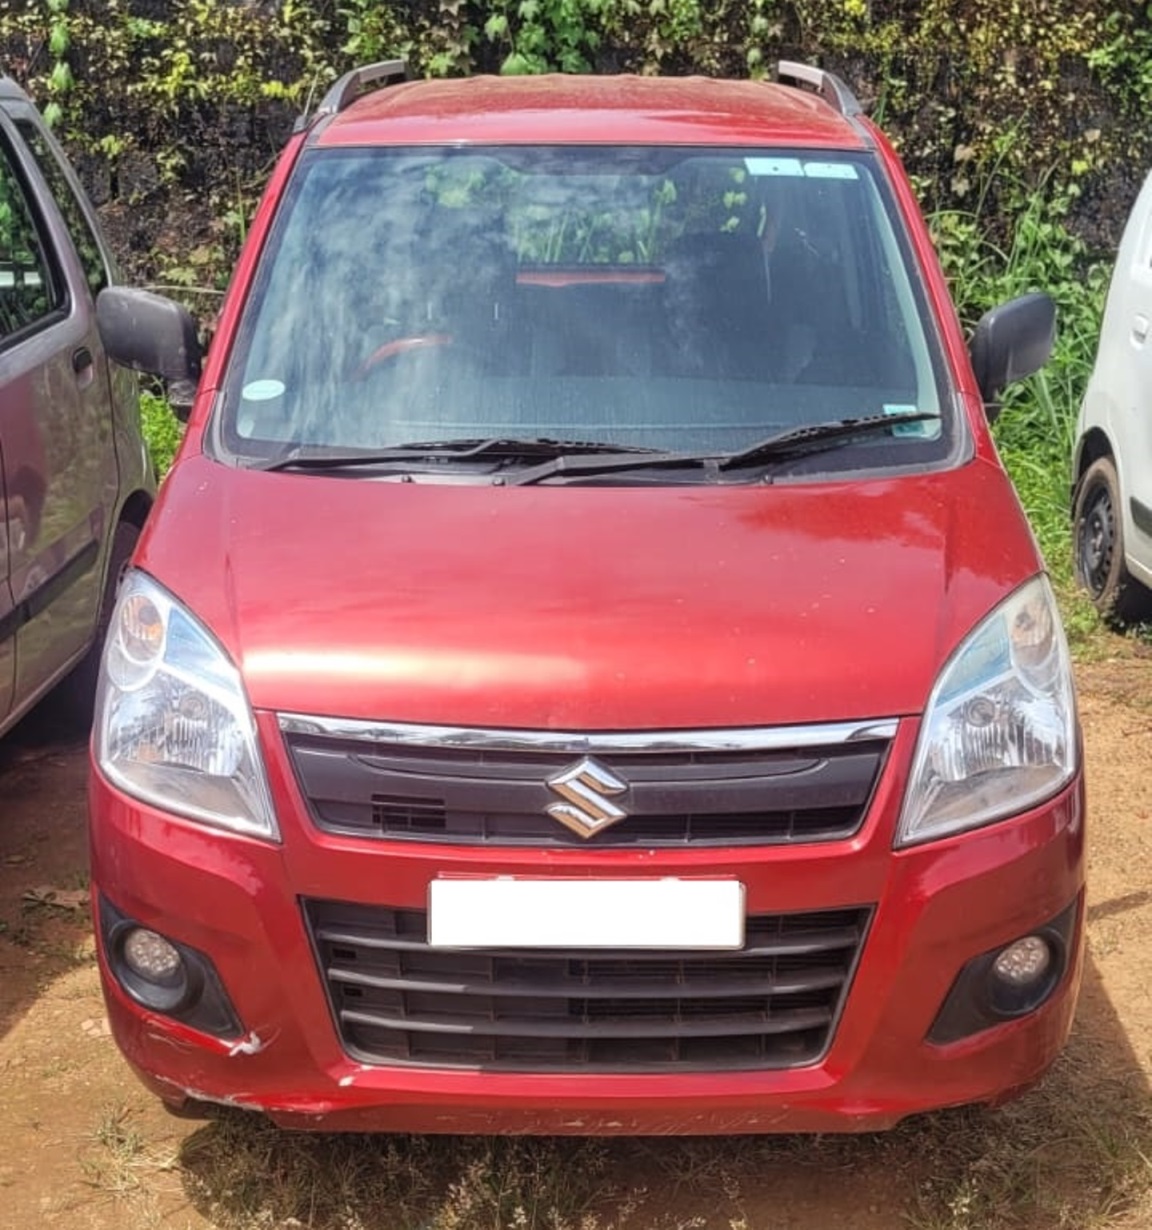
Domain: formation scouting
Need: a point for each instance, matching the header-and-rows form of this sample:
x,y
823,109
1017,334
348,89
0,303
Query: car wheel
x,y
73,699
1098,544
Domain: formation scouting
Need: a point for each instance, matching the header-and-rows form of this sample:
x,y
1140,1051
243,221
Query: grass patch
x,y
245,1174
1072,1155
118,1163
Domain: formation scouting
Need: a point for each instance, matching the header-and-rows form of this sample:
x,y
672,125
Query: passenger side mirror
x,y
152,334
1011,341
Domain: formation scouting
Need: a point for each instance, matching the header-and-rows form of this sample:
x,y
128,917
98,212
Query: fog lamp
x,y
152,957
1024,962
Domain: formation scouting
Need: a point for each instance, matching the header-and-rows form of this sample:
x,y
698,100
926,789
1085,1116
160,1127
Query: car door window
x,y
31,292
96,272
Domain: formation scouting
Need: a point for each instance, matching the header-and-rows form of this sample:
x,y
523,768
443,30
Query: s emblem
x,y
587,788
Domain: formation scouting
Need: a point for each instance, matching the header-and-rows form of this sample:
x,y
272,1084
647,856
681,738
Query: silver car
x,y
75,480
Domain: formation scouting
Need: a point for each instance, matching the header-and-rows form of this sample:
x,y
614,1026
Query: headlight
x,y
173,726
999,735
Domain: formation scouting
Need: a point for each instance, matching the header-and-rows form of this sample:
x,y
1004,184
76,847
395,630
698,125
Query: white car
x,y
1112,467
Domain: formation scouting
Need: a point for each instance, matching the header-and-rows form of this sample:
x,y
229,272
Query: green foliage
x,y
1122,56
372,29
550,35
60,80
162,431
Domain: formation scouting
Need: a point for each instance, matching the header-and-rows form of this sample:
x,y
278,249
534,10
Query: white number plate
x,y
514,913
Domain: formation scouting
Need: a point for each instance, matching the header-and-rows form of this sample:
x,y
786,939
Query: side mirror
x,y
152,334
1011,341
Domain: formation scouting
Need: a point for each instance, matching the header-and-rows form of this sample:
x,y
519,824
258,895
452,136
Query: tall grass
x,y
1035,432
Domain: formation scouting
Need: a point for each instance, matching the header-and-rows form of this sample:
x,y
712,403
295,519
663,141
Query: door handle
x,y
83,367
1140,328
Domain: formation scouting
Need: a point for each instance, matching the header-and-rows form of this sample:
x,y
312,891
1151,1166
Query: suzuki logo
x,y
587,787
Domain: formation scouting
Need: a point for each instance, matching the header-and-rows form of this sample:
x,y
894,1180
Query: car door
x,y
59,462
1120,393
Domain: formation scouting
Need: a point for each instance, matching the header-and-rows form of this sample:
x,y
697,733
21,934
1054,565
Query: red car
x,y
587,670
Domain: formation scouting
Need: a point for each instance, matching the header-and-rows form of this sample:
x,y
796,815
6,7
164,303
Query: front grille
x,y
483,795
772,1004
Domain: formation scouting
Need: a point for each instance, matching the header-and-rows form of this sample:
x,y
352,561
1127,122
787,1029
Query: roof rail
x,y
346,89
830,87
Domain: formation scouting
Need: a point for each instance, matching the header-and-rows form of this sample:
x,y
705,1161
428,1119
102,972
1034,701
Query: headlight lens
x,y
173,726
999,735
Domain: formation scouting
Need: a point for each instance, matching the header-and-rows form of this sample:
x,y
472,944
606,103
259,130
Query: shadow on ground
x,y
1071,1152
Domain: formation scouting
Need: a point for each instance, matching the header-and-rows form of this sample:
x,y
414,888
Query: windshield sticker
x,y
263,390
830,170
775,166
796,169
925,431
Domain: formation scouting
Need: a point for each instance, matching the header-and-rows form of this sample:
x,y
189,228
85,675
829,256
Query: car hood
x,y
588,608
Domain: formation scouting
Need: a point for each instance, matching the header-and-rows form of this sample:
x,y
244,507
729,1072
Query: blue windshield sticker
x,y
775,166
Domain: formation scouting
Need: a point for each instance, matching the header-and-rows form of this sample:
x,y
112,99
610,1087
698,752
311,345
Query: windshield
x,y
664,298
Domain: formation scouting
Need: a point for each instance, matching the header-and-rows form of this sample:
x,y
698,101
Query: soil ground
x,y
88,1149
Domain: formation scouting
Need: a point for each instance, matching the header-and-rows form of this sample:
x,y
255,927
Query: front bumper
x,y
935,907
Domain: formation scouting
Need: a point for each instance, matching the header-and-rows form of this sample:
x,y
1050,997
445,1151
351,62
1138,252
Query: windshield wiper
x,y
616,461
578,458
319,457
794,441
814,437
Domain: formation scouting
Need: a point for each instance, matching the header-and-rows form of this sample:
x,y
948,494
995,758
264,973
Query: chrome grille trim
x,y
710,788
660,742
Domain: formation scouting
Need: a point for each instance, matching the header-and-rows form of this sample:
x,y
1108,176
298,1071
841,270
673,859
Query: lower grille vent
x,y
399,815
773,1004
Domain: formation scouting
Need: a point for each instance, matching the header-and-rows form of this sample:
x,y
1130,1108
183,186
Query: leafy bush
x,y
162,431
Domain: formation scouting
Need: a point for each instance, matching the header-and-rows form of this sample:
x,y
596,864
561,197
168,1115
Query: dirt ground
x,y
87,1148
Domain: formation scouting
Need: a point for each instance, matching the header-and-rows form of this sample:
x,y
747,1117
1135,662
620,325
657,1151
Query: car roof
x,y
9,89
615,110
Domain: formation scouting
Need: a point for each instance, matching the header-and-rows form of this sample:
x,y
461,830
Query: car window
x,y
30,290
91,257
668,298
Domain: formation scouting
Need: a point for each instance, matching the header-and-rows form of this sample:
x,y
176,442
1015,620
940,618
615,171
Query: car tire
x,y
73,699
1098,547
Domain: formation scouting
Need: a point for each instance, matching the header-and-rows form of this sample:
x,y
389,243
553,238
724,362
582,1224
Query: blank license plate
x,y
511,913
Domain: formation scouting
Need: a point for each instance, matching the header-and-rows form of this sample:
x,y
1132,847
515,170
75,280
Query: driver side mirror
x,y
153,334
1011,341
